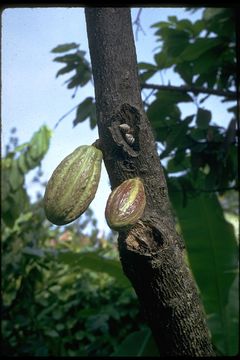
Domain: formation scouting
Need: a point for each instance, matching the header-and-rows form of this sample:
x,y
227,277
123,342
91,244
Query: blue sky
x,y
32,96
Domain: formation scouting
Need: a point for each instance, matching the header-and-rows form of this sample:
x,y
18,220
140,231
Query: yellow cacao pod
x,y
73,185
125,204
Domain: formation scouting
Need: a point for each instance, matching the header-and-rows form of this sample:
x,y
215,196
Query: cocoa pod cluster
x,y
73,186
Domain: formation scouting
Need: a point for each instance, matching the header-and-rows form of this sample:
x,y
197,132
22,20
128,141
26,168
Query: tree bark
x,y
152,253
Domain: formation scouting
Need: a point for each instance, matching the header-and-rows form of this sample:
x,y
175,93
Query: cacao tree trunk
x,y
152,254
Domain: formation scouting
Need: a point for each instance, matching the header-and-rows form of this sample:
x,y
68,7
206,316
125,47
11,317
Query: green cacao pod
x,y
73,185
125,204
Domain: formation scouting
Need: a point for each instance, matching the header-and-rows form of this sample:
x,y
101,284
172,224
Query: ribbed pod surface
x,y
73,185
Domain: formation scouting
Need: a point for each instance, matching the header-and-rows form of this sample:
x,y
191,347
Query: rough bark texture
x,y
151,252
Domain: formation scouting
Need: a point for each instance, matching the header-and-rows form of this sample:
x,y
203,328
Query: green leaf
x,y
85,110
163,61
146,66
176,137
174,165
209,79
30,162
185,70
200,46
17,203
185,24
22,164
65,47
138,343
16,179
145,75
175,41
95,262
198,26
164,111
66,69
203,118
69,58
206,63
80,79
173,19
198,134
38,146
212,252
20,147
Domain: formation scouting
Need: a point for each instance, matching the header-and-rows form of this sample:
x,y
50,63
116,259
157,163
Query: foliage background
x,y
63,291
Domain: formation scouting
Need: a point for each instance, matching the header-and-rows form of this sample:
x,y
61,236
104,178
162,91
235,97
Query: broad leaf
x,y
212,252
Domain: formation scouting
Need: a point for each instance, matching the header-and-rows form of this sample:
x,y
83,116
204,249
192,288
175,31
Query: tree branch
x,y
138,24
197,90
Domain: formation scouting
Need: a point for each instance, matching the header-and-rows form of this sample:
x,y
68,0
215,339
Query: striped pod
x,y
125,204
73,185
